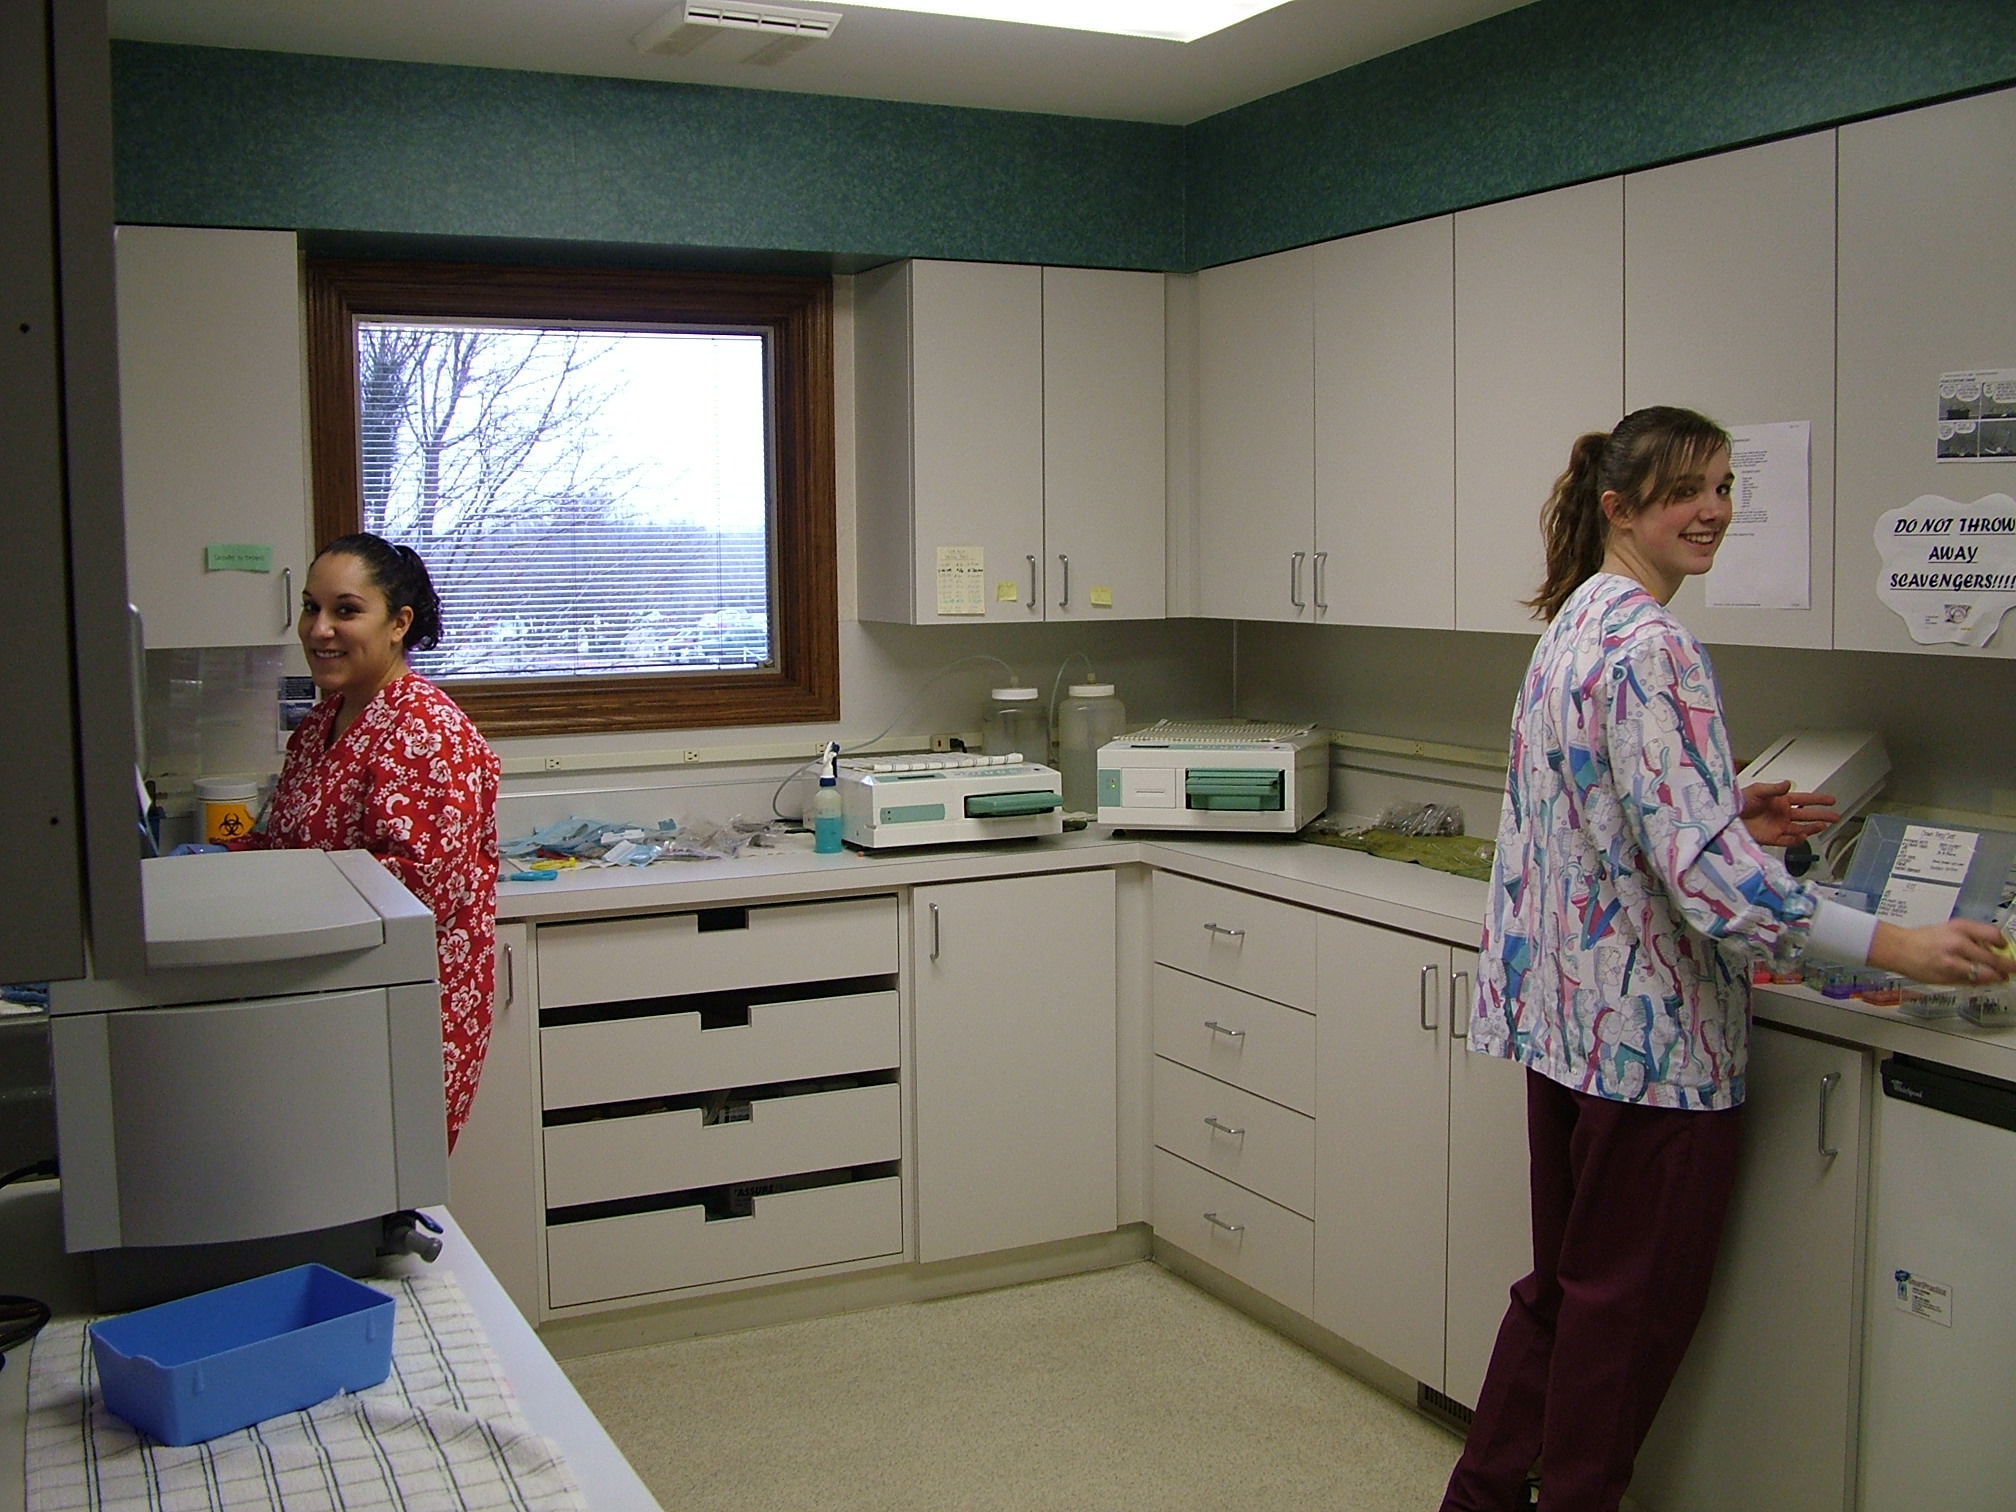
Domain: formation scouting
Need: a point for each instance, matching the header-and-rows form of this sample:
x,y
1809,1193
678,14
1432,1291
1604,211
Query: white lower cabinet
x,y
1490,1203
1763,1413
1236,1231
491,1187
1014,1014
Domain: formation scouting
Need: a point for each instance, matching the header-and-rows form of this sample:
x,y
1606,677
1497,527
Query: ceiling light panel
x,y
1163,20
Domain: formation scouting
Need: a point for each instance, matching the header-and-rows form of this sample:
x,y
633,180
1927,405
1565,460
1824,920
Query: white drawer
x,y
669,955
1266,1149
1259,1242
1252,943
668,1054
613,1158
643,1253
1257,1044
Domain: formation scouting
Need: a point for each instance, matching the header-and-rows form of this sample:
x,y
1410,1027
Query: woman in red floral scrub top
x,y
388,764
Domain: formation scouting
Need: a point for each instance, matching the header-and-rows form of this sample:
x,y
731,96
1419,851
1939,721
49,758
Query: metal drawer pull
x,y
1428,996
1322,593
1230,934
1459,1003
1212,1123
1064,598
1219,1223
1295,559
288,608
510,977
1217,1028
934,931
1827,1083
1035,603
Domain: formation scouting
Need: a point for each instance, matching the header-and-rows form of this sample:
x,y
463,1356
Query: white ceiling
x,y
875,54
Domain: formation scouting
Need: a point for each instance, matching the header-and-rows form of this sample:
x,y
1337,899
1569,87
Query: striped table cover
x,y
442,1433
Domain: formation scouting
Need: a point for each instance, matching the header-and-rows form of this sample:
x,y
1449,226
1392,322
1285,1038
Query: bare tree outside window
x,y
589,503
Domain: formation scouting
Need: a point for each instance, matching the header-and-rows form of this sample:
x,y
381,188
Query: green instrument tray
x,y
999,805
1250,788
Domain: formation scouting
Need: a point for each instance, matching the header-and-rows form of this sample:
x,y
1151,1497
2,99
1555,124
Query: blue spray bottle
x,y
826,803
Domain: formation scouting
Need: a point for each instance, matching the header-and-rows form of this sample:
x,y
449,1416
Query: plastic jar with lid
x,y
1015,722
1089,718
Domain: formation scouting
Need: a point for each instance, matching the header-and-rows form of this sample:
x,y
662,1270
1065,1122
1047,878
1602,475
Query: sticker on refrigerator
x,y
1930,1300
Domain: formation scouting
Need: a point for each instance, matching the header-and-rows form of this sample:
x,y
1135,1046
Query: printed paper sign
x,y
962,580
1977,415
1765,558
1935,855
1909,902
1949,569
1924,1299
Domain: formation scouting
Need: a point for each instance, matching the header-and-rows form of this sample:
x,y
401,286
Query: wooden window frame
x,y
796,313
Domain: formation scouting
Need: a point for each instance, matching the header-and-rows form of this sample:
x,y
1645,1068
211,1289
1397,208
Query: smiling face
x,y
1671,541
355,644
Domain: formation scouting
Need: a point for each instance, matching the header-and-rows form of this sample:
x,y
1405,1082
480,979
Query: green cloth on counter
x,y
1464,855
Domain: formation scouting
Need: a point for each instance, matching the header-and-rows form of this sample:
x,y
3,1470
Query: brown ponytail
x,y
1644,461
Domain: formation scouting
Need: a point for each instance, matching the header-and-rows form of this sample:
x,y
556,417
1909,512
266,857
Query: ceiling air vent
x,y
778,30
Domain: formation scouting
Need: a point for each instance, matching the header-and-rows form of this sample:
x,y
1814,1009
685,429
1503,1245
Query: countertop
x,y
1395,894
32,1262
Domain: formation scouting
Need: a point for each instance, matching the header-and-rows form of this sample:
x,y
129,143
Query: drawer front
x,y
1243,1138
1261,1243
643,1253
1254,944
668,955
1257,1044
670,1054
614,1158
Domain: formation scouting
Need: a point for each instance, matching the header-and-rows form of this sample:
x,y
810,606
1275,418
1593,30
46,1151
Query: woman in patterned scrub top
x,y
1631,893
386,763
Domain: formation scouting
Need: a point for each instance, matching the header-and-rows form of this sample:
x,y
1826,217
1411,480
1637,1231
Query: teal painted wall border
x,y
1562,91
1556,92
222,137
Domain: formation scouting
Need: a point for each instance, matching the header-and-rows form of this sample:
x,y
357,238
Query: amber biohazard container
x,y
227,804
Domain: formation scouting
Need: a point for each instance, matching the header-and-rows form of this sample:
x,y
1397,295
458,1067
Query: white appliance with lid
x,y
1215,775
889,801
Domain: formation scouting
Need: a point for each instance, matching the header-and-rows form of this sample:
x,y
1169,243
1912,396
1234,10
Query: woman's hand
x,y
1775,815
1958,953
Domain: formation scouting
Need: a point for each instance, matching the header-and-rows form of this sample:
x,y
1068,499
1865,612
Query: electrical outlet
x,y
942,742
553,763
690,757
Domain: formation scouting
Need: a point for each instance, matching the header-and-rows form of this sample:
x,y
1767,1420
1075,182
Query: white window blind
x,y
588,501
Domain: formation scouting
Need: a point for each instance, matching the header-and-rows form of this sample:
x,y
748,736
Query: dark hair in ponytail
x,y
399,574
1644,461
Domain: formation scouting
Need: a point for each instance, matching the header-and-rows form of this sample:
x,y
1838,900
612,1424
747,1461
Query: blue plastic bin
x,y
222,1360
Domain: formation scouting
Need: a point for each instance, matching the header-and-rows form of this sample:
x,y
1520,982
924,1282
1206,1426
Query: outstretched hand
x,y
1775,815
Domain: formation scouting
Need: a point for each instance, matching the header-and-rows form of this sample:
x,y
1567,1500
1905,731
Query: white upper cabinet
x,y
211,410
1927,224
1539,361
1015,413
1385,435
1256,525
1104,457
1729,309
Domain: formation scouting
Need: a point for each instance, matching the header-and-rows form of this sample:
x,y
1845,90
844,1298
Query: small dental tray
x,y
210,1364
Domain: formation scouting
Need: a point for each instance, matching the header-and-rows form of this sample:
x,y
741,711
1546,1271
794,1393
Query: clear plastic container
x,y
1089,718
1015,722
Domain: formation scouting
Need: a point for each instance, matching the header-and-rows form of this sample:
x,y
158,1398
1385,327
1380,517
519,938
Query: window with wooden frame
x,y
621,481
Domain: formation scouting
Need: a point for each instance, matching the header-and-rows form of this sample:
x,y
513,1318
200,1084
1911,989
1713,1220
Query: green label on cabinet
x,y
228,558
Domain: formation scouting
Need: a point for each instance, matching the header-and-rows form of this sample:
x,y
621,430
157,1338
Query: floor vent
x,y
1444,1409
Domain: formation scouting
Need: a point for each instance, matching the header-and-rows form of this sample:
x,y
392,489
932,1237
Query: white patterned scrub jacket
x,y
1628,900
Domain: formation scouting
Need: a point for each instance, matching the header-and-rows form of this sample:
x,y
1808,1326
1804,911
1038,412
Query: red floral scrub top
x,y
413,783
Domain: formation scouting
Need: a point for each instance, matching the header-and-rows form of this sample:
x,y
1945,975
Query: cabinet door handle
x,y
510,977
1428,996
1224,1128
1219,1223
1035,596
1459,1004
1827,1084
286,599
1230,934
1295,559
1322,594
1217,1028
1064,599
934,931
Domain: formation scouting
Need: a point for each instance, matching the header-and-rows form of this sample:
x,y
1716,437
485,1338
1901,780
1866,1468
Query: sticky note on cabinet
x,y
1007,593
1102,598
237,558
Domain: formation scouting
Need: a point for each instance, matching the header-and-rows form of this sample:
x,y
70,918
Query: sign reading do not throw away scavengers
x,y
1949,570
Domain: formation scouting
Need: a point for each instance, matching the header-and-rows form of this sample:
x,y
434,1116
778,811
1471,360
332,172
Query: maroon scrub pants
x,y
1628,1203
